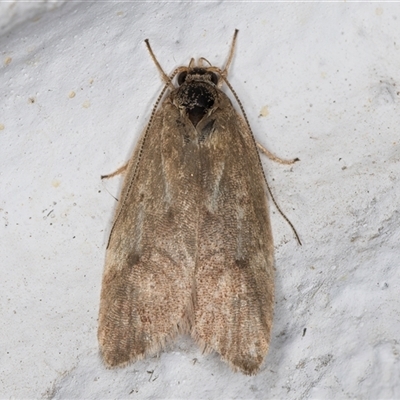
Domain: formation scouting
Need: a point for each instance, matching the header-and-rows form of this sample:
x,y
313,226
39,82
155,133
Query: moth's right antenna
x,y
231,52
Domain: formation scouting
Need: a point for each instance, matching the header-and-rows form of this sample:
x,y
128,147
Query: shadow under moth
x,y
191,248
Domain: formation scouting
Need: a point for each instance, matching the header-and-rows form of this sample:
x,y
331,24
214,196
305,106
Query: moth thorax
x,y
197,98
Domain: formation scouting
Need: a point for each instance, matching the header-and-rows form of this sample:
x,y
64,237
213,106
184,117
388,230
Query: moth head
x,y
198,74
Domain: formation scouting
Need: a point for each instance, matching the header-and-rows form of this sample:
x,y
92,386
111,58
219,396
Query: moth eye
x,y
182,77
214,78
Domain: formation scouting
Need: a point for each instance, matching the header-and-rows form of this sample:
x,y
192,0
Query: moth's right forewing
x,y
235,272
146,296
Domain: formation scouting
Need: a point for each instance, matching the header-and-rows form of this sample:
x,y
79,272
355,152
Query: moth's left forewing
x,y
234,269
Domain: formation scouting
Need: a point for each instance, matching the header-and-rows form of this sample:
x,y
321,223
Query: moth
x,y
191,247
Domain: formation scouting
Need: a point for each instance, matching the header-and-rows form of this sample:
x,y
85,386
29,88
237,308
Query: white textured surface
x,y
328,75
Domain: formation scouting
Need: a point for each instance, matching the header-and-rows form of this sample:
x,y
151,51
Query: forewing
x,y
234,272
146,295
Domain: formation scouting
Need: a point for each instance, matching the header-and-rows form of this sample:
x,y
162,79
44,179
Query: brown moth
x,y
191,248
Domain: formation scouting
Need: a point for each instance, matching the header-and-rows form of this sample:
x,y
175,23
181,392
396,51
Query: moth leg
x,y
275,158
120,170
